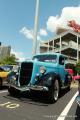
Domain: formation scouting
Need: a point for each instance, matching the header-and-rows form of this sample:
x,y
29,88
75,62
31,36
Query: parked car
x,y
10,67
71,72
45,72
3,76
74,77
7,67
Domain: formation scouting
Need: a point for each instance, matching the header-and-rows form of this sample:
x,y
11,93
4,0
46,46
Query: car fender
x,y
48,79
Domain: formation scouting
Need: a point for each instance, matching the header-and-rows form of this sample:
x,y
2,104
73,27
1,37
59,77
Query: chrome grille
x,y
25,73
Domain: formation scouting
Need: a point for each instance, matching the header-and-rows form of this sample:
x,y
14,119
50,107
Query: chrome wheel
x,y
56,90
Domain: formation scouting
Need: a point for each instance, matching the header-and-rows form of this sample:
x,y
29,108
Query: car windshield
x,y
7,67
45,58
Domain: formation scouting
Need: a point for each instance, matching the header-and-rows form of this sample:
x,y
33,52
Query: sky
x,y
17,22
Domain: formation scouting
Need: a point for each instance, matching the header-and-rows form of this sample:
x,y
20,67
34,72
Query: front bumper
x,y
28,88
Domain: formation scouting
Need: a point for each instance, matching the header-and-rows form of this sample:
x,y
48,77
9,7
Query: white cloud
x,y
52,23
28,33
18,55
43,32
68,13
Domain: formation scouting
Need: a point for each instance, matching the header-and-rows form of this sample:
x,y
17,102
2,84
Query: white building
x,y
67,43
4,51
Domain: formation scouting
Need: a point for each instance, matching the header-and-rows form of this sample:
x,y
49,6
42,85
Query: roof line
x,y
62,34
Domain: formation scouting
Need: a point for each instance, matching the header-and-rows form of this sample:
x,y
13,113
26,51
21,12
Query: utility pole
x,y
35,28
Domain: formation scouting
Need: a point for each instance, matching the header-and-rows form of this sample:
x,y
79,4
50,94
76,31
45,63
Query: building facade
x,y
4,51
67,43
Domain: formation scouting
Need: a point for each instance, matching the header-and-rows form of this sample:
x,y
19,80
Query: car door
x,y
62,71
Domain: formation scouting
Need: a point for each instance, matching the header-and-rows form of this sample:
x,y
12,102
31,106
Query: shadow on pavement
x,y
3,87
37,98
63,92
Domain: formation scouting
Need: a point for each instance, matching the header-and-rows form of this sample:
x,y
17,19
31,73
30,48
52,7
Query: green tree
x,y
78,67
8,60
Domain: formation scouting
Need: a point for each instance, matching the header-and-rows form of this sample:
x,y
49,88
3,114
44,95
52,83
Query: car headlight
x,y
14,78
37,77
42,69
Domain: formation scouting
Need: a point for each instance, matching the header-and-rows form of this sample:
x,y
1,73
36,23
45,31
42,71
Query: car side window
x,y
61,60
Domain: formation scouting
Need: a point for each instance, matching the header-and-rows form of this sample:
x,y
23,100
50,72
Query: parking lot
x,y
34,106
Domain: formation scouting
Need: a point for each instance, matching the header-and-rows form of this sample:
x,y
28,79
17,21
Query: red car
x,y
74,77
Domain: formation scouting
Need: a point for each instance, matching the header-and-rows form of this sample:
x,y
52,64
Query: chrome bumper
x,y
29,88
39,88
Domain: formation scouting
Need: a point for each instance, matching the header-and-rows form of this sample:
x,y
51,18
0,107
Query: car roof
x,y
58,54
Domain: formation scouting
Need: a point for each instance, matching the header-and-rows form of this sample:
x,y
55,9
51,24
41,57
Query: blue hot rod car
x,y
45,72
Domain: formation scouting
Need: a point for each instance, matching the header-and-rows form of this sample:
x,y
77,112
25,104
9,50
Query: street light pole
x,y
35,28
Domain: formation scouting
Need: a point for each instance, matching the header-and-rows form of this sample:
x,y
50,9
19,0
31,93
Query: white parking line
x,y
64,113
3,91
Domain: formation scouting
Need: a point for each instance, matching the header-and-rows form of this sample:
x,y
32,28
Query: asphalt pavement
x,y
35,106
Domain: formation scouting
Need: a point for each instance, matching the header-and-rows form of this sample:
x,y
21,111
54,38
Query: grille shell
x,y
25,73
